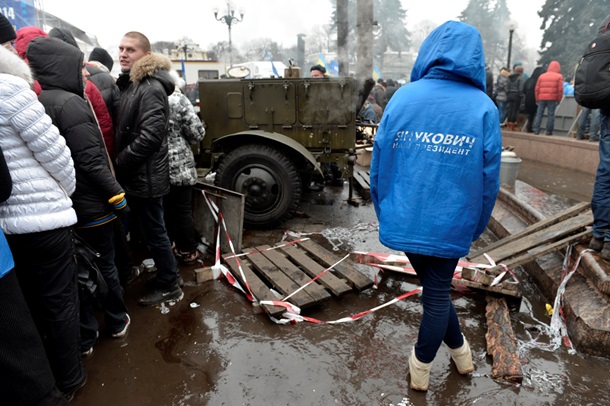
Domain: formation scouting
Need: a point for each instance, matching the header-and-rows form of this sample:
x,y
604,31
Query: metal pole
x,y
510,48
230,45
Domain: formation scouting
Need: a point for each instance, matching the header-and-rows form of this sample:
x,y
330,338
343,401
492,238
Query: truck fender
x,y
276,138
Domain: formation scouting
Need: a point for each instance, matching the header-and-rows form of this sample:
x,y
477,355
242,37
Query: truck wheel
x,y
267,178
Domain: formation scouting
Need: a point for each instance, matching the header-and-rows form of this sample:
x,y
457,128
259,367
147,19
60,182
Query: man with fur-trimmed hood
x,y
142,162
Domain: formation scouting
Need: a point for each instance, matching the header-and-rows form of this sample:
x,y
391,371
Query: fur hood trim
x,y
148,65
11,64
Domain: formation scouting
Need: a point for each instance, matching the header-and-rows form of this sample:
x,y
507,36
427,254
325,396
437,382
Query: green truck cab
x,y
267,138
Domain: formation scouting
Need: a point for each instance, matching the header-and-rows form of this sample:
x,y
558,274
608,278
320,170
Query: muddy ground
x,y
213,349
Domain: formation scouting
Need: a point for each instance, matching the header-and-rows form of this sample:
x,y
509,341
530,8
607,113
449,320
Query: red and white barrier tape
x,y
293,313
558,319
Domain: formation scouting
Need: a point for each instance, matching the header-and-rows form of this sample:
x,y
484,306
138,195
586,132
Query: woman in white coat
x,y
38,217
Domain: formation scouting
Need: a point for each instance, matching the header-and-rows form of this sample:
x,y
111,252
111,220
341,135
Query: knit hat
x,y
24,36
64,35
7,32
318,68
101,55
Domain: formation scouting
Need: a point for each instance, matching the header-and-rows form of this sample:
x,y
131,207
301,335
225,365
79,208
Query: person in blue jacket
x,y
435,177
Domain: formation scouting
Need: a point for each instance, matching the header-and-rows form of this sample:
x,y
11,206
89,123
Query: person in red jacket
x,y
549,91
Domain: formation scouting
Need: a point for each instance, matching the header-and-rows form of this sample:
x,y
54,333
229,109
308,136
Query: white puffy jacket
x,y
38,159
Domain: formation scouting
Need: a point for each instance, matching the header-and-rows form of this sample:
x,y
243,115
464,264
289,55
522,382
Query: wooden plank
x,y
336,285
501,343
315,290
279,280
540,251
362,183
353,276
537,238
516,293
557,218
258,287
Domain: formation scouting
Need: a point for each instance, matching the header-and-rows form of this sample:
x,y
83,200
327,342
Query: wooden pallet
x,y
544,237
288,268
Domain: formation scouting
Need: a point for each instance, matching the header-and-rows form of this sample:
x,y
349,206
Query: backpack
x,y
592,77
92,287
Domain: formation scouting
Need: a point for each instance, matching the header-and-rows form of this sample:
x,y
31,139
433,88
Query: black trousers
x,y
178,212
26,375
46,268
101,239
123,258
514,101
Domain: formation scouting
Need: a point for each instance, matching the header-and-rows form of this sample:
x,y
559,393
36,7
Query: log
x,y
501,345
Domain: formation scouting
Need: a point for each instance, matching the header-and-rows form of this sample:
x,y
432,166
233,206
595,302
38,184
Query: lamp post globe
x,y
229,19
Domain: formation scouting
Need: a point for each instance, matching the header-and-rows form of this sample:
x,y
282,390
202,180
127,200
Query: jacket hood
x,y
24,36
453,51
57,65
148,65
64,35
153,65
554,67
13,65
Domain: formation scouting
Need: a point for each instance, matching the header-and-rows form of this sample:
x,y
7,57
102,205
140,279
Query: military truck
x,y
267,138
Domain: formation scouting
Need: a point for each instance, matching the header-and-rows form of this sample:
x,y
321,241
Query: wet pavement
x,y
211,348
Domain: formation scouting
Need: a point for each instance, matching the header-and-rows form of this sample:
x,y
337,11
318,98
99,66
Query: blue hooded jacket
x,y
436,157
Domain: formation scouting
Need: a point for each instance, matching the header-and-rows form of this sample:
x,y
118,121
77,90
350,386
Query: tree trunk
x,y
365,39
501,341
342,30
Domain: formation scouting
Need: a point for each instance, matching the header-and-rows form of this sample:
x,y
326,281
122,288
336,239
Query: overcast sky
x,y
280,20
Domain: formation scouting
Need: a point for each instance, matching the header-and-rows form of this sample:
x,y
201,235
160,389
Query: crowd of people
x,y
515,92
91,158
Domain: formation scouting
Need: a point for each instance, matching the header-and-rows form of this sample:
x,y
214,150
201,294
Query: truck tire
x,y
267,178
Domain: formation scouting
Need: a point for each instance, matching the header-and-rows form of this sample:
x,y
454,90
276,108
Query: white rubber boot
x,y
420,372
462,357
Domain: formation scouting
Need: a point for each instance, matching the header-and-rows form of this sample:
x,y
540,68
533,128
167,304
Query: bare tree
x,y
420,32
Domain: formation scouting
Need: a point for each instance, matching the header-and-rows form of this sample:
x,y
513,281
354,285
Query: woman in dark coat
x,y
529,89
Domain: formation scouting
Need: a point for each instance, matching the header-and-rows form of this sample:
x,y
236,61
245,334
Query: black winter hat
x,y
101,55
319,68
64,35
7,31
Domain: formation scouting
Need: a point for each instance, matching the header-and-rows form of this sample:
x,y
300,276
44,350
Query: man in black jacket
x,y
142,159
600,201
99,198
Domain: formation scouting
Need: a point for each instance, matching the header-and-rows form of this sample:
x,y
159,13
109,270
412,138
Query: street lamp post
x,y
512,26
229,19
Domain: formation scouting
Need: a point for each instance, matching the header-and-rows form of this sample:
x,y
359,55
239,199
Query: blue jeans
x,y
149,215
502,110
440,321
550,105
600,202
593,126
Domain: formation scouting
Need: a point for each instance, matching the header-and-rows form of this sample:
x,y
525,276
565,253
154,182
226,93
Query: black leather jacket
x,y
142,127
